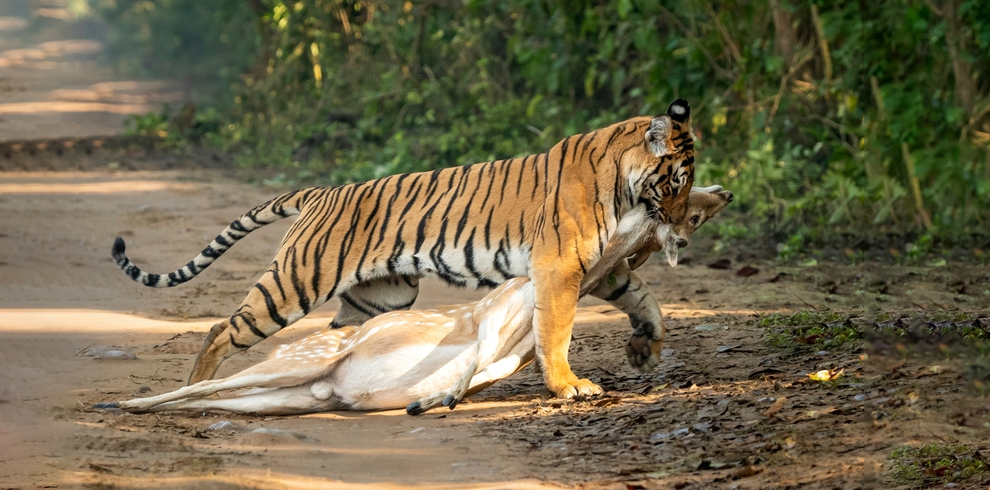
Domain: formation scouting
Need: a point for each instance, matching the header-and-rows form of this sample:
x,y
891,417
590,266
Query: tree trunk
x,y
961,69
785,39
822,42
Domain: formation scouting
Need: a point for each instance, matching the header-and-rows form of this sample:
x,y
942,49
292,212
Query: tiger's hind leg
x,y
271,305
371,298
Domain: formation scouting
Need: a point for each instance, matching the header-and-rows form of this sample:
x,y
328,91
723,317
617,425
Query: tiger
x,y
547,216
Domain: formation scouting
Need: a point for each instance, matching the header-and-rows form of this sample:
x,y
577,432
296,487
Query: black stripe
x,y
469,263
378,201
298,284
223,241
536,175
467,210
506,172
491,183
272,309
557,196
388,208
278,281
488,229
237,345
618,292
346,298
251,325
501,262
398,247
346,243
324,242
522,168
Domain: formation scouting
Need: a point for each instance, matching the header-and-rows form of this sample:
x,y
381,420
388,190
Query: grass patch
x,y
810,330
955,331
936,463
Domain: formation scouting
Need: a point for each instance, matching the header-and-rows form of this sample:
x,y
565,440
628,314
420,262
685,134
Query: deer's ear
x,y
712,189
658,136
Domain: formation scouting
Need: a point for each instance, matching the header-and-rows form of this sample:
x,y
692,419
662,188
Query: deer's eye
x,y
695,219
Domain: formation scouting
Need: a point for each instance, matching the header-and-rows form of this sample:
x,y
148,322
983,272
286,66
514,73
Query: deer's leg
x,y
503,319
627,292
521,354
304,362
198,390
279,401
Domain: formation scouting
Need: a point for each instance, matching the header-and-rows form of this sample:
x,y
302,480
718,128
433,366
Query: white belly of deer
x,y
400,376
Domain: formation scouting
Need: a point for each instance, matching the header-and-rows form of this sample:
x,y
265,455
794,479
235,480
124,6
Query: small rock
x,y
710,327
107,352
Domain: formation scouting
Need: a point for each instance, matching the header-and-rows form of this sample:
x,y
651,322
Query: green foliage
x,y
206,44
154,126
175,132
810,329
817,329
817,135
939,463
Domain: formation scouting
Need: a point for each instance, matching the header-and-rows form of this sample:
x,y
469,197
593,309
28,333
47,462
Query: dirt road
x,y
51,84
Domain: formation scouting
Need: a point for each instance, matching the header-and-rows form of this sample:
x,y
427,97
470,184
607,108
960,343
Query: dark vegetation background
x,y
859,123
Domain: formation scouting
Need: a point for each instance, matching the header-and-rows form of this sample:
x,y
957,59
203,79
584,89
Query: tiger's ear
x,y
679,110
658,136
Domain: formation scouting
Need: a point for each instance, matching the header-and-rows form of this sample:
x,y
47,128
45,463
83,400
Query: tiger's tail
x,y
283,206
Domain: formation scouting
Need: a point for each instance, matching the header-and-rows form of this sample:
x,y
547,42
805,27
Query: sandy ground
x,y
700,420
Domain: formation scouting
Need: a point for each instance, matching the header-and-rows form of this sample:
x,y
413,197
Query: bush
x,y
825,118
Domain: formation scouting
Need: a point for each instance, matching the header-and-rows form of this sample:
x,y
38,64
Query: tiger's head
x,y
661,172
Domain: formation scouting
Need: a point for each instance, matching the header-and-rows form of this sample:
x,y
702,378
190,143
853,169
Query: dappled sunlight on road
x,y
113,187
100,321
68,107
269,480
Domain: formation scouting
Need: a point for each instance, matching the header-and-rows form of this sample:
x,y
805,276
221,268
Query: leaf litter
x,y
727,407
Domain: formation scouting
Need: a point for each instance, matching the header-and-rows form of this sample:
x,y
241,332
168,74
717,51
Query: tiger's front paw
x,y
643,352
578,388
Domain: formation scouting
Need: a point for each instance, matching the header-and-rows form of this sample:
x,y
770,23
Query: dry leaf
x,y
745,472
826,374
777,405
747,271
818,413
721,264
